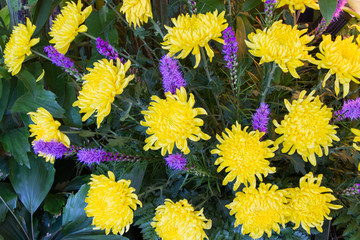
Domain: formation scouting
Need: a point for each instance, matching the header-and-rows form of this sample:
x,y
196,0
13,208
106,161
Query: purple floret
x,y
350,110
90,156
261,118
53,148
108,51
176,161
172,77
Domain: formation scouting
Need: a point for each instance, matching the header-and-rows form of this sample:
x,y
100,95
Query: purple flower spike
x,y
350,109
269,10
90,156
261,118
176,161
105,49
171,74
52,148
340,5
229,50
61,61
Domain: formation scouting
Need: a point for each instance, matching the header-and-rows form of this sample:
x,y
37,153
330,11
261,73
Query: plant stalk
x,y
268,82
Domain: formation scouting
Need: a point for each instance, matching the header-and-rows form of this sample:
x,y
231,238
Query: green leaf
x,y
356,236
73,117
32,184
74,208
4,167
250,4
4,96
46,99
28,80
42,12
136,175
9,196
16,142
53,203
4,73
328,8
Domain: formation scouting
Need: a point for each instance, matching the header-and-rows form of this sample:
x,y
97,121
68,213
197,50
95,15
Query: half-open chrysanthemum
x,y
136,11
46,129
259,210
172,121
111,203
243,155
179,221
310,204
67,25
19,45
283,44
190,33
306,128
342,58
101,85
356,139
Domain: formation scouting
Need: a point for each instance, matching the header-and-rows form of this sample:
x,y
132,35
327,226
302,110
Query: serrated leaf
x,y
342,219
327,9
352,227
32,184
9,196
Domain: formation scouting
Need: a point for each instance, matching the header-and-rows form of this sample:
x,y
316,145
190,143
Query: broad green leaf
x,y
136,175
53,203
9,196
16,142
328,8
32,184
46,99
250,4
4,99
42,12
4,73
74,208
4,167
72,115
28,80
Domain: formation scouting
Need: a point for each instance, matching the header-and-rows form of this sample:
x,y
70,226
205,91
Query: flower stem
x,y
32,226
89,36
268,82
40,54
205,64
157,28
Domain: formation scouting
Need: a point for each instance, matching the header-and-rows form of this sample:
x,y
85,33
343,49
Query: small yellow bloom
x,y
310,203
67,25
259,210
192,32
100,87
342,58
243,155
179,221
356,139
298,4
19,46
306,128
172,121
283,44
111,203
136,11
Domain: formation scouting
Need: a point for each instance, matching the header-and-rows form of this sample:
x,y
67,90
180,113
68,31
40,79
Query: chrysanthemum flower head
x,y
111,203
342,58
283,44
356,139
306,128
19,46
259,210
310,203
179,221
101,85
172,121
298,4
136,11
68,24
243,155
46,129
190,33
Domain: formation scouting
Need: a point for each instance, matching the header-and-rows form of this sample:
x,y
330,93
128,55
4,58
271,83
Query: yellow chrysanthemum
x,y
283,44
19,46
259,210
67,25
172,121
192,32
341,57
356,139
46,129
306,128
243,155
137,11
309,204
179,221
298,4
111,203
100,87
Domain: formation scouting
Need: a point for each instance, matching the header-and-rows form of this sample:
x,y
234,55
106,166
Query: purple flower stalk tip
x,y
171,74
90,156
105,49
340,5
350,110
176,161
229,50
52,148
261,118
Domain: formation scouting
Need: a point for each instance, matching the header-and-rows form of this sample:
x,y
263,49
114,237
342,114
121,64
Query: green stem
x,y
40,54
89,36
150,190
351,12
16,219
268,82
157,28
205,64
32,226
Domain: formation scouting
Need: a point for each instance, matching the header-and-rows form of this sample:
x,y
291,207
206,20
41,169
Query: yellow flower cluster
x,y
67,25
356,139
243,155
179,221
283,44
299,4
306,128
19,46
172,121
137,11
100,87
190,33
111,203
342,58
